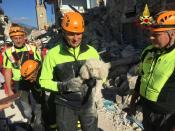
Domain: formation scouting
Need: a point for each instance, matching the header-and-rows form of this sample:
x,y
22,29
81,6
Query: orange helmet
x,y
165,21
29,68
73,22
16,31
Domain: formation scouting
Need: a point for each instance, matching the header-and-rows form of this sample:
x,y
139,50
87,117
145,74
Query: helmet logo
x,y
75,24
146,19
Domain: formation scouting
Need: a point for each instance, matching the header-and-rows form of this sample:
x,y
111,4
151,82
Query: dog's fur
x,y
94,68
97,69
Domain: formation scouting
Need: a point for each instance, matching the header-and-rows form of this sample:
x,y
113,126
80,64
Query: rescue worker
x,y
155,84
59,75
14,57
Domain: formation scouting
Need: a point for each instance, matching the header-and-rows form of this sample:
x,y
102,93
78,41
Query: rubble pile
x,y
114,31
114,99
116,25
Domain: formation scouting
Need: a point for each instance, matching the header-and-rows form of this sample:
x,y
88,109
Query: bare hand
x,y
3,106
10,93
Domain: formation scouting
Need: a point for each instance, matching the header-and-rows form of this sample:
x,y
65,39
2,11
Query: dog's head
x,y
94,68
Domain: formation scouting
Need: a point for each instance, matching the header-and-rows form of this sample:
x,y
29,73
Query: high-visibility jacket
x,y
15,57
63,63
157,81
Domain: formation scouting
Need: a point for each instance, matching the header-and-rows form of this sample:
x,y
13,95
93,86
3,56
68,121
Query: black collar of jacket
x,y
158,51
19,47
83,47
164,50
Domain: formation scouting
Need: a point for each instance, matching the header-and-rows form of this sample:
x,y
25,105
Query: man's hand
x,y
6,105
73,85
90,82
10,92
130,110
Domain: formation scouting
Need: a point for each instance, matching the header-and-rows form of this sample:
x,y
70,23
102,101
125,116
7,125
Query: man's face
x,y
160,39
19,41
73,39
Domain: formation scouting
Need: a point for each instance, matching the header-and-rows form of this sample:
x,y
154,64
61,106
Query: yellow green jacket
x,y
157,78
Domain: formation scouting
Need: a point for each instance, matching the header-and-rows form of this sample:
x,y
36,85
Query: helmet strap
x,y
171,40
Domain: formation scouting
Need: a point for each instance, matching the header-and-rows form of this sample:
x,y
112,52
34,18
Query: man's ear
x,y
173,33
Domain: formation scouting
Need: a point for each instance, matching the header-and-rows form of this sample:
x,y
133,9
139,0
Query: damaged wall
x,y
118,22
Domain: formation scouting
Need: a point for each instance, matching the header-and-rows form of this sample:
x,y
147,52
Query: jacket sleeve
x,y
46,77
6,61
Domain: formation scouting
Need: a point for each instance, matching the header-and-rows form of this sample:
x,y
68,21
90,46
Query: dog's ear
x,y
84,73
